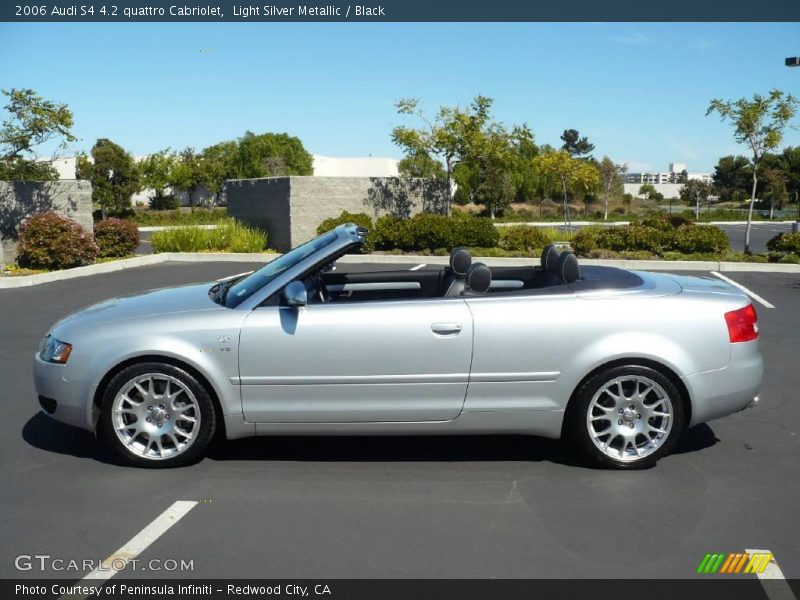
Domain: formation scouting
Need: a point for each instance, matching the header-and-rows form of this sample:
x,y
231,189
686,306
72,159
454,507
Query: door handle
x,y
446,328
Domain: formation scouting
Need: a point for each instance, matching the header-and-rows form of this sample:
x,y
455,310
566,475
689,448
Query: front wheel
x,y
626,417
156,415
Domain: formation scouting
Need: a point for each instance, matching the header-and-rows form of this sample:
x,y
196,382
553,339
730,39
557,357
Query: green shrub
x,y
585,241
228,237
52,241
429,231
474,231
200,216
785,242
235,237
666,222
361,219
391,233
116,237
633,237
164,202
520,237
706,238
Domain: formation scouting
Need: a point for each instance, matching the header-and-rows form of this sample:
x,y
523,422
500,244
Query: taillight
x,y
742,324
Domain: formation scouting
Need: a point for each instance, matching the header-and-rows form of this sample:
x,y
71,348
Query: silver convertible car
x,y
618,362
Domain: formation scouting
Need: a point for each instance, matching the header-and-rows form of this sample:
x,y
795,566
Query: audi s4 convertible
x,y
618,363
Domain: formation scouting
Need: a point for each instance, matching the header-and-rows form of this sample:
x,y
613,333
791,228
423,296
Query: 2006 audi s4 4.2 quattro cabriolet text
x,y
617,362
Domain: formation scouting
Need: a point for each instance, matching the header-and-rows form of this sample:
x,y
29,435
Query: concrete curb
x,y
622,223
386,259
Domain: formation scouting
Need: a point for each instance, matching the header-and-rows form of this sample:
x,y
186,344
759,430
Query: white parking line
x,y
773,579
750,293
137,544
418,267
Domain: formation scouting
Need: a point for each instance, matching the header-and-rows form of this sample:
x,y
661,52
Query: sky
x,y
638,91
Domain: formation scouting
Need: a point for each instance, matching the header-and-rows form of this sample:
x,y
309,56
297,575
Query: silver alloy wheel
x,y
156,416
629,417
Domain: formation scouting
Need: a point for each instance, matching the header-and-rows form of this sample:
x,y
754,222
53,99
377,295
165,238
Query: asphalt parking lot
x,y
417,507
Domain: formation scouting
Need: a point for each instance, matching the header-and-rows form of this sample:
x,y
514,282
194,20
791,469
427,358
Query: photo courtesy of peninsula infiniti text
x,y
617,363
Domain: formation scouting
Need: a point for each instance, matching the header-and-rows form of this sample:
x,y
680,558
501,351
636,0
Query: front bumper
x,y
73,399
722,392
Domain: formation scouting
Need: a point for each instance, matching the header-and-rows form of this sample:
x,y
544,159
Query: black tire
x,y
578,431
201,438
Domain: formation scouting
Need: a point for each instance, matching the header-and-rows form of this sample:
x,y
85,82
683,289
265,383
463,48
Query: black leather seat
x,y
478,280
567,267
454,281
550,256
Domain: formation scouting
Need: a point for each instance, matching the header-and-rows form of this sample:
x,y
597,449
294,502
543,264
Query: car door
x,y
356,362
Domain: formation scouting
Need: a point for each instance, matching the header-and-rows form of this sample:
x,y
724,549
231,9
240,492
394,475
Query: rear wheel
x,y
627,417
156,415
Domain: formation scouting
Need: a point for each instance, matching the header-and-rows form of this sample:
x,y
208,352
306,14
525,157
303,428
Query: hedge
x,y
686,239
422,232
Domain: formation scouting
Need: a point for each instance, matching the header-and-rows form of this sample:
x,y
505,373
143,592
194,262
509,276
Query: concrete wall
x,y
263,203
19,200
291,208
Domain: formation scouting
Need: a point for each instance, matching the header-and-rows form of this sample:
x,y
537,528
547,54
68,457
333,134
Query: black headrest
x,y
479,278
550,256
568,268
460,260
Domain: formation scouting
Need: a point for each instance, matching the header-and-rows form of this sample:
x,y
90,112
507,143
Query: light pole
x,y
794,61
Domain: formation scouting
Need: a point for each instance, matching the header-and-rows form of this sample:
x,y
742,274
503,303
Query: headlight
x,y
54,351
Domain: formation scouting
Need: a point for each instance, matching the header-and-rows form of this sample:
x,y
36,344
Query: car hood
x,y
187,298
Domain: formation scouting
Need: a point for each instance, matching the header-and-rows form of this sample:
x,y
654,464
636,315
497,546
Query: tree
x,y
495,184
573,174
189,174
775,181
790,161
693,192
113,173
33,121
575,145
611,185
421,165
449,134
648,191
758,123
155,171
271,155
732,175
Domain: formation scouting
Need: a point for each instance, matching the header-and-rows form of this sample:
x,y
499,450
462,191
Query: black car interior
x,y
558,272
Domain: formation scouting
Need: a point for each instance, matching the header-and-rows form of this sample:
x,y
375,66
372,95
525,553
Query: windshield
x,y
239,290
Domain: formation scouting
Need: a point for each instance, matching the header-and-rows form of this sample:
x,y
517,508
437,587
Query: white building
x,y
674,175
327,166
324,166
668,184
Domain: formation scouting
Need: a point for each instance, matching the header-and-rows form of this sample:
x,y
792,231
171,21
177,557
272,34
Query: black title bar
x,y
276,11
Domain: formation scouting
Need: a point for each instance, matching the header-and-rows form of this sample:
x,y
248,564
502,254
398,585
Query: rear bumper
x,y
66,401
726,391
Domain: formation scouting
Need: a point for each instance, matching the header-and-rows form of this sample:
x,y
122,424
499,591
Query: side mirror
x,y
294,295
